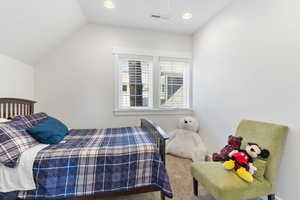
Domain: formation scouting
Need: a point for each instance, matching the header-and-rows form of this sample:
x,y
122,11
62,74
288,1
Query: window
x,y
152,83
135,82
173,83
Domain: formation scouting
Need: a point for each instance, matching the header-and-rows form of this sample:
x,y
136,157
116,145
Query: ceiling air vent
x,y
159,16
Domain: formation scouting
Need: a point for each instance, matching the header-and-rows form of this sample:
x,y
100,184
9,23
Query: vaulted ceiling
x,y
31,28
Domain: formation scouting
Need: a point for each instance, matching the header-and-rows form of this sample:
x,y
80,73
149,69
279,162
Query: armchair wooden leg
x,y
195,183
271,197
162,196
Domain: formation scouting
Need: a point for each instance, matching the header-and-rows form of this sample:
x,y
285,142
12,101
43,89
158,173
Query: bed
x,y
97,163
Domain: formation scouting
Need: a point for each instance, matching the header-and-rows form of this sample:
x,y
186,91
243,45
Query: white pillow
x,y
4,120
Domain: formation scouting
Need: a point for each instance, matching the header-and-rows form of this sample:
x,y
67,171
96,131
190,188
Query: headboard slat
x,y
26,109
10,107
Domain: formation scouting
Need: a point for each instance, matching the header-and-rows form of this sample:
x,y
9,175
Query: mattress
x,y
98,161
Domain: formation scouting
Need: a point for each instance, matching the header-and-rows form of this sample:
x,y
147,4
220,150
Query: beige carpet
x,y
181,182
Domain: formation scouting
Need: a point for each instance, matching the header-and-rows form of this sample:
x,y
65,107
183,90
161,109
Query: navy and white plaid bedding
x,y
14,139
91,162
13,142
30,121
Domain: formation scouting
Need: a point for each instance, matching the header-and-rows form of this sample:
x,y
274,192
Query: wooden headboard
x,y
10,107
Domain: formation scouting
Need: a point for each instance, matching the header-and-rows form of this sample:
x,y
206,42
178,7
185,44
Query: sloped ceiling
x,y
30,28
136,13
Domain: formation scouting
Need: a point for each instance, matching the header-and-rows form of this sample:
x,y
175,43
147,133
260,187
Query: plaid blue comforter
x,y
91,162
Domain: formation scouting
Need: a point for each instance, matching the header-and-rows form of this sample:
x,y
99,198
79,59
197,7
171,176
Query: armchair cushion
x,y
227,185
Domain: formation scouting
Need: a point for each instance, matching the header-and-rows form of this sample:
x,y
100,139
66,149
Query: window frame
x,y
150,103
186,81
156,108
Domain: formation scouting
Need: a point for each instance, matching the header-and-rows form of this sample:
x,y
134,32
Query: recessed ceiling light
x,y
109,4
187,15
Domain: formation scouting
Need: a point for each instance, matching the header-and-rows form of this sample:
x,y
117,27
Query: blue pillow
x,y
49,131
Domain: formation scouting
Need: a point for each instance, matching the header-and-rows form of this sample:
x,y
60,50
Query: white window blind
x,y
174,88
135,81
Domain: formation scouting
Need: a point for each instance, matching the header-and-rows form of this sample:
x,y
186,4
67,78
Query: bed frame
x,y
10,107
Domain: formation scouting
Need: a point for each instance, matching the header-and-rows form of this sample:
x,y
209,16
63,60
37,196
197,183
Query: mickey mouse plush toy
x,y
242,161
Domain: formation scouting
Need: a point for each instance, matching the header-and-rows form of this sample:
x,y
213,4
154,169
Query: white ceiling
x,y
30,28
136,13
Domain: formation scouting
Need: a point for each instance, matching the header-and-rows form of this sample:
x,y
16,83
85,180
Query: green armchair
x,y
226,185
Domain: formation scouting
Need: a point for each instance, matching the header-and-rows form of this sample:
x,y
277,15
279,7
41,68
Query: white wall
x,y
76,81
246,66
31,28
16,79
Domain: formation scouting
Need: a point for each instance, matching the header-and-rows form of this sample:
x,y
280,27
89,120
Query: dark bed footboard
x,y
158,134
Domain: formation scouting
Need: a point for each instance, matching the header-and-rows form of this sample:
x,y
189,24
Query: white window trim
x,y
153,111
119,89
187,82
156,110
143,52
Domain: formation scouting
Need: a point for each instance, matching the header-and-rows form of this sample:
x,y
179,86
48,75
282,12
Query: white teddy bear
x,y
186,142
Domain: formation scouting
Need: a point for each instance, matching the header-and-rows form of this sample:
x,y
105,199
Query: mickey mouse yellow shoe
x,y
244,174
229,165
